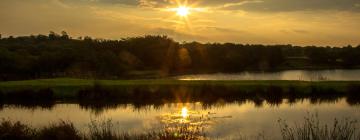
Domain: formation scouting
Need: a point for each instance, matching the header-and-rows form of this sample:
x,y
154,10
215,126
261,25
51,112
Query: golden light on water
x,y
184,112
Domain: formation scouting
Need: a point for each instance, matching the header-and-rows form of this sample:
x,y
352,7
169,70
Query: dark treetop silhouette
x,y
55,55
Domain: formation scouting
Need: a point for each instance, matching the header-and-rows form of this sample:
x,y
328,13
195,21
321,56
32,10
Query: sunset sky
x,y
299,22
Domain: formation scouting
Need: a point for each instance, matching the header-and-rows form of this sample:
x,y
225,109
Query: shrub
x,y
59,131
15,131
312,129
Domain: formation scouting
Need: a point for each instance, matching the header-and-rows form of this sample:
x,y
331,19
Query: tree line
x,y
59,55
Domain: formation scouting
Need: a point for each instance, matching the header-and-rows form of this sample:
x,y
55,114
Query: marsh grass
x,y
313,129
105,130
310,129
15,131
58,131
102,96
61,130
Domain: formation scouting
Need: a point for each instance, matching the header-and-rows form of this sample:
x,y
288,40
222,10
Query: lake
x,y
220,120
221,111
302,75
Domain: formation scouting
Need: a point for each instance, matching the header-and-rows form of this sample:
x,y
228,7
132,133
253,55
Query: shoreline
x,y
107,92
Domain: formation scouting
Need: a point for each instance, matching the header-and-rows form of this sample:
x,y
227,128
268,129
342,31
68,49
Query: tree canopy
x,y
58,55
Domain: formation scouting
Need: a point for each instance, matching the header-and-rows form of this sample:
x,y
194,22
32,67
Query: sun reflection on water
x,y
184,112
188,121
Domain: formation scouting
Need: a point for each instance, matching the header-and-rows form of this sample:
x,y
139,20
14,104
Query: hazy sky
x,y
300,22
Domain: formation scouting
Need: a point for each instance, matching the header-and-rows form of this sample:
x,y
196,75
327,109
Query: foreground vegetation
x,y
310,129
96,131
313,129
54,55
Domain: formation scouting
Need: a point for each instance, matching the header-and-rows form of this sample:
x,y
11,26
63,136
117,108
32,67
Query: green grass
x,y
68,89
86,82
70,86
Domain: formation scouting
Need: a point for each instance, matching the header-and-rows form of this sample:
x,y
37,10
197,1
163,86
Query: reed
x,y
313,129
310,129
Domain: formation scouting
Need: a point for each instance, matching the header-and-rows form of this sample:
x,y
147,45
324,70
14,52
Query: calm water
x,y
303,75
223,120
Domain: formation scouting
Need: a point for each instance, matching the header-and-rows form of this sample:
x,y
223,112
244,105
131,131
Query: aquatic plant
x,y
15,131
310,129
105,130
313,129
59,131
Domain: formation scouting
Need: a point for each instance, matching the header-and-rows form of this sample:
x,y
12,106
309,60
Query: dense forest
x,y
59,55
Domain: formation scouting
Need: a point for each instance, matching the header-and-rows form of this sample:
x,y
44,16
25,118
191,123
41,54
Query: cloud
x,y
222,29
296,31
23,17
160,3
176,34
107,2
301,31
244,5
297,5
243,21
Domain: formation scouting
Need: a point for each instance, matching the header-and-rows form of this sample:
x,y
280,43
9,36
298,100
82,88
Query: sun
x,y
183,11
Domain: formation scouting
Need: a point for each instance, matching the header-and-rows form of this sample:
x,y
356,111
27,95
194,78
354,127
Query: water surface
x,y
221,120
302,75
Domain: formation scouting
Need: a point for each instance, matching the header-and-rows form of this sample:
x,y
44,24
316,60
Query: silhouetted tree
x,y
64,35
41,56
53,35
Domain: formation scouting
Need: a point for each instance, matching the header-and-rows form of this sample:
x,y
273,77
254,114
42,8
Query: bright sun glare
x,y
183,11
184,112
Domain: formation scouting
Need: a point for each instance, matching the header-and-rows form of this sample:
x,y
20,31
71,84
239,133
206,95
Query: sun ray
x,y
184,11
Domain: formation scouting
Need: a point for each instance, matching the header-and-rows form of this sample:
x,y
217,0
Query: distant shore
x,y
87,91
83,83
154,56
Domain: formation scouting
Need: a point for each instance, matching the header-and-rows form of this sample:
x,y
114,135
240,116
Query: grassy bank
x,y
101,93
70,82
84,82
